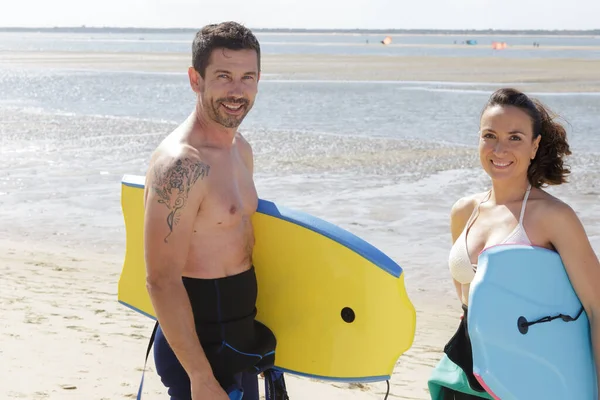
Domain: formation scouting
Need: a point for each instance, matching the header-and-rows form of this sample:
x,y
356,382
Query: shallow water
x,y
385,160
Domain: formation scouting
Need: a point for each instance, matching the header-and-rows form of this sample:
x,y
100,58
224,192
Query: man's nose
x,y
236,90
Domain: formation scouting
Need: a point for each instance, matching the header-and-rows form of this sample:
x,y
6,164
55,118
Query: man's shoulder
x,y
245,150
242,142
177,165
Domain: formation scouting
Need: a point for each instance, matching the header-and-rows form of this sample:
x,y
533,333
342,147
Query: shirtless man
x,y
198,235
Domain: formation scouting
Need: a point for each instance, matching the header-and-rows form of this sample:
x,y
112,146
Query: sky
x,y
325,14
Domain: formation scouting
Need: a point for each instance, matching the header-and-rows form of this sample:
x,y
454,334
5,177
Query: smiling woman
x,y
519,135
521,149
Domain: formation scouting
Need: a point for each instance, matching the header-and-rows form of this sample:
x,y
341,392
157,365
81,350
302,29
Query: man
x,y
198,235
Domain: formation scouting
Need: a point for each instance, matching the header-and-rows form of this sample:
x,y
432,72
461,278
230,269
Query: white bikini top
x,y
459,259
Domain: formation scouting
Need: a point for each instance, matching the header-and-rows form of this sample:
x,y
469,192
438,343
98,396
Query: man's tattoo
x,y
173,186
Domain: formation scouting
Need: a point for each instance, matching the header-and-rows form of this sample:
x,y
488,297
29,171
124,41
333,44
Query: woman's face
x,y
506,144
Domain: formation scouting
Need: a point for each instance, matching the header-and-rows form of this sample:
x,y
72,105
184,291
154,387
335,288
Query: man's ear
x,y
196,81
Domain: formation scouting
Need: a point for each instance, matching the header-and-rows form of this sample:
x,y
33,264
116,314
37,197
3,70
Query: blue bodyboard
x,y
514,286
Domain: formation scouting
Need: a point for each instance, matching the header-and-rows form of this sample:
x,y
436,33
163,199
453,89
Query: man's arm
x,y
173,195
246,153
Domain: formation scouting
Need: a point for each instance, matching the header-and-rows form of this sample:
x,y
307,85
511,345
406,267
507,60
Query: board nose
x,y
485,386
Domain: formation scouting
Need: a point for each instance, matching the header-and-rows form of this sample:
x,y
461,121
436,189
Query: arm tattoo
x,y
173,185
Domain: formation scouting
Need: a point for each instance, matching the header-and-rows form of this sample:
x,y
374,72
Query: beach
x,y
534,74
64,335
62,242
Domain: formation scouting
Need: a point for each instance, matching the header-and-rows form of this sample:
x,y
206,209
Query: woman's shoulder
x,y
466,204
550,210
547,202
461,211
556,223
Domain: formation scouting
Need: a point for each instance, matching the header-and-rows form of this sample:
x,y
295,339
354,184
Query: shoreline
x,y
568,75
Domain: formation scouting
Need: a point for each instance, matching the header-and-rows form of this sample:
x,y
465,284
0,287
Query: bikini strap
x,y
475,212
524,204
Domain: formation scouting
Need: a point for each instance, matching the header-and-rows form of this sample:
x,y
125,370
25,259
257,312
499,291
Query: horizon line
x,y
281,29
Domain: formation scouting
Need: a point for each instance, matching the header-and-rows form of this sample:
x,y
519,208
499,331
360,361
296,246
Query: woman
x,y
521,148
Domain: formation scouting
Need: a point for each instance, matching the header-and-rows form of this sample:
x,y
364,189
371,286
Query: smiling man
x,y
198,235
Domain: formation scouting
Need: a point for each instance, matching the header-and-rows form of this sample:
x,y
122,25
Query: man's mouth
x,y
232,107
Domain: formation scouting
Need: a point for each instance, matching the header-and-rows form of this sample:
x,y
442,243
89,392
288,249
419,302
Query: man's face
x,y
229,86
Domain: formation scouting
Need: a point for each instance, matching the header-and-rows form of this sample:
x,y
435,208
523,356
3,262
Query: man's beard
x,y
220,116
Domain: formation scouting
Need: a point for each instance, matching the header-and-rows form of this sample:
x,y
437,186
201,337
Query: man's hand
x,y
208,390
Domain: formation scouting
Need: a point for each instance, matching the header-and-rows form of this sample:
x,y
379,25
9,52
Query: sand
x,y
534,74
64,336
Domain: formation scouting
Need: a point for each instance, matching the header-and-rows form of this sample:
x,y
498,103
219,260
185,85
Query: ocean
x,y
317,43
385,160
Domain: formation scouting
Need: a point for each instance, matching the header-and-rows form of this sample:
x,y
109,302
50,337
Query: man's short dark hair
x,y
228,35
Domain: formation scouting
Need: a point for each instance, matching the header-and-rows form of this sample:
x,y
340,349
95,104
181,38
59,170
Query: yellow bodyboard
x,y
337,305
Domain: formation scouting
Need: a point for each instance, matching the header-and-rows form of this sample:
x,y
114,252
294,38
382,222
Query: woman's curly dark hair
x,y
547,168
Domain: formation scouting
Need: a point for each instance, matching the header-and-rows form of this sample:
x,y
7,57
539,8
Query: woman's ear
x,y
536,146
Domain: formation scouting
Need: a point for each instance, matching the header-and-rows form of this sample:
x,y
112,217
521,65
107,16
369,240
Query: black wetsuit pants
x,y
174,377
459,350
236,345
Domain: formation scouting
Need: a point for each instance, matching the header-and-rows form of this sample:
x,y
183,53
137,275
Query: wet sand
x,y
535,74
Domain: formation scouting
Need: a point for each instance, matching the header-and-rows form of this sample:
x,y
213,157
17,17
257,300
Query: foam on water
x,y
385,161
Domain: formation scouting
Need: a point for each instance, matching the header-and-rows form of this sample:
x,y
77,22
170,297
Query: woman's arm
x,y
459,215
569,238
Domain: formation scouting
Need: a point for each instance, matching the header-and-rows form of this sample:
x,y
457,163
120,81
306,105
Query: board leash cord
x,y
524,325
